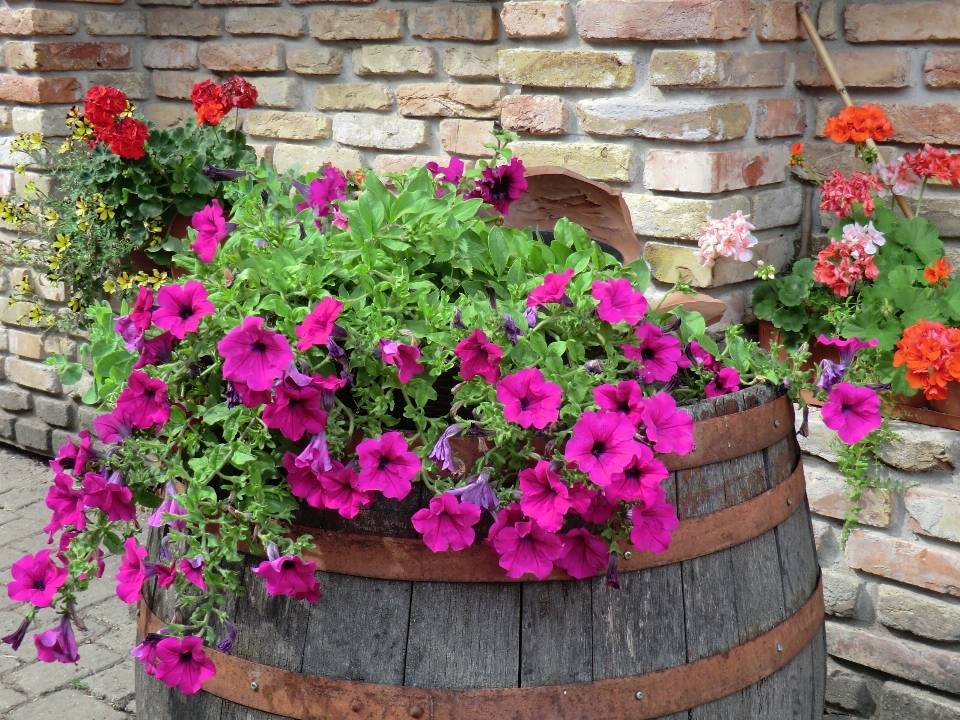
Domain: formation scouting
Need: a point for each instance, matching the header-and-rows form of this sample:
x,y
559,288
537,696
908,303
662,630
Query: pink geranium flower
x,y
854,412
211,227
668,429
183,664
528,399
192,569
527,548
181,308
479,357
142,313
114,427
58,644
144,401
36,579
602,445
641,475
552,290
658,354
341,490
582,555
618,301
254,355
295,410
724,382
625,398
654,520
289,575
318,325
109,495
447,524
66,503
387,465
304,482
403,356
545,497
156,350
133,571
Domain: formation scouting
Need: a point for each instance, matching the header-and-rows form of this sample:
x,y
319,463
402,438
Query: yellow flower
x,y
24,285
75,304
110,286
127,111
125,281
74,115
53,262
142,277
50,217
35,313
30,187
81,207
83,225
156,280
66,147
20,169
105,211
11,301
82,129
62,242
97,198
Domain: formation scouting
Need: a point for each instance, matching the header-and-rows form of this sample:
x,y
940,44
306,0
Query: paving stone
x,y
115,685
121,639
41,678
9,699
67,704
12,531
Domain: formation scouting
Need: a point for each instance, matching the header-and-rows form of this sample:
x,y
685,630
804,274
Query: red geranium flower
x,y
126,138
103,105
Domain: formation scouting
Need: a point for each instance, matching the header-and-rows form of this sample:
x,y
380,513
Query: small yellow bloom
x,y
84,225
35,313
20,169
66,147
53,262
125,281
81,207
62,242
75,304
11,301
156,280
50,217
24,286
104,211
97,198
110,286
30,187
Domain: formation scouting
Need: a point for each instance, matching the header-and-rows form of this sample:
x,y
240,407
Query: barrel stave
x,y
556,642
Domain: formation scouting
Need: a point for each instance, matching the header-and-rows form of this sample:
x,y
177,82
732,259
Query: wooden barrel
x,y
728,623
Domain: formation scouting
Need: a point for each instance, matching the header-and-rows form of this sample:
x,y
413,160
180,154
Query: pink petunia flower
x,y
321,191
114,427
211,227
242,394
66,503
600,509
110,495
694,355
545,497
58,644
479,357
254,355
501,185
654,520
724,382
144,401
131,335
618,301
403,356
668,429
317,327
304,482
854,412
602,445
36,579
289,575
156,350
527,548
183,664
181,308
625,397
192,569
73,457
507,517
583,555
166,574
295,410
658,354
146,651
447,524
552,290
452,173
387,465
142,314
341,490
528,399
316,455
641,475
132,573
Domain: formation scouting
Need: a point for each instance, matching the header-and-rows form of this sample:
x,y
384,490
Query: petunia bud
x,y
511,329
613,580
15,638
593,366
457,323
273,552
222,174
491,296
232,396
804,430
226,645
530,315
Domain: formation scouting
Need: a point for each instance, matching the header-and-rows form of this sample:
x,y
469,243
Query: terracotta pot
x,y
769,334
141,260
917,401
950,406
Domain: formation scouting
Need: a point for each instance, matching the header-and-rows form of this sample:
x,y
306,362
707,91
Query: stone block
x,y
15,398
242,57
673,218
60,345
535,114
477,23
827,492
449,100
841,591
904,702
777,21
941,69
136,85
314,61
33,435
170,54
716,171
356,24
632,117
534,19
353,96
310,158
26,345
719,68
777,208
6,119
39,90
176,23
394,60
32,375
59,413
265,21
277,92
848,689
915,563
902,22
115,23
608,162
781,117
920,448
467,137
935,123
885,68
936,512
377,131
667,262
34,21
566,68
287,125
827,25
917,613
654,20
167,115
46,121
64,56
471,63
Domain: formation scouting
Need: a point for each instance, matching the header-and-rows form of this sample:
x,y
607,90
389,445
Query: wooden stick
x,y
841,88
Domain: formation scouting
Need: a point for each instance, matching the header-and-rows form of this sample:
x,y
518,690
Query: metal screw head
x,y
355,706
789,501
415,711
254,686
627,555
779,647
639,695
776,423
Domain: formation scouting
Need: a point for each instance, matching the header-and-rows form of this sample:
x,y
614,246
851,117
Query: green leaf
x,y
922,237
639,274
764,301
499,253
71,373
789,319
113,542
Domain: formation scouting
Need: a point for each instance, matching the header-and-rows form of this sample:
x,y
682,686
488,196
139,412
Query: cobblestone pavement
x,y
100,686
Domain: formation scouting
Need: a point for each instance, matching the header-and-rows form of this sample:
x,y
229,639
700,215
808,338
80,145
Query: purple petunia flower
x,y
295,410
654,520
643,473
182,664
133,571
144,401
479,357
226,645
109,495
830,374
36,579
553,289
169,506
156,351
318,326
727,380
544,496
114,427
441,454
316,455
667,428
452,173
582,554
15,638
58,644
288,575
527,548
848,348
625,397
321,192
192,569
478,491
602,445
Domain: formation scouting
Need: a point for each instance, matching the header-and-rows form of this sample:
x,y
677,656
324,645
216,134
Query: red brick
x,y
32,21
859,68
900,21
46,57
659,20
937,124
242,57
535,114
38,91
170,55
777,20
781,117
942,68
356,24
929,567
454,22
712,172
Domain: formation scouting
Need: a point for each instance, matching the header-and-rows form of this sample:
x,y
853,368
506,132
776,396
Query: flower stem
x,y
923,187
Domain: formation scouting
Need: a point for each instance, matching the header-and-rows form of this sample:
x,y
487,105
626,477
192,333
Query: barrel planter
x,y
727,623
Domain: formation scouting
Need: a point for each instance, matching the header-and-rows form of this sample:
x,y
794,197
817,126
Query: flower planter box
x,y
730,616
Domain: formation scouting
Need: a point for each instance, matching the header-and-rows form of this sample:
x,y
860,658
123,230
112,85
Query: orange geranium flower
x,y
796,155
859,124
936,275
931,352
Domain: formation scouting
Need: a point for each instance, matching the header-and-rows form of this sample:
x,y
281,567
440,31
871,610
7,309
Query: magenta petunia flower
x,y
211,227
114,427
73,457
501,185
304,482
643,473
128,331
695,355
452,173
667,429
289,575
602,445
192,569
625,397
156,351
166,574
552,290
854,412
618,301
317,327
109,495
654,520
250,398
527,548
316,455
507,517
387,465
658,354
848,348
528,399
146,651
447,524
724,382
341,489
479,357
58,644
181,308
322,191
545,497
183,664
66,503
254,355
295,410
169,507
582,555
403,356
36,579
144,401
132,573
142,313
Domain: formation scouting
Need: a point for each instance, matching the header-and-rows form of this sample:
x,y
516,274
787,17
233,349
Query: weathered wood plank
x,y
556,646
798,558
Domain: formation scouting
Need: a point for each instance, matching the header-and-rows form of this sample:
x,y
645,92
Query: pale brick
x,y
281,93
902,21
781,117
667,262
311,158
33,434
923,565
719,68
827,25
534,19
471,63
777,208
115,23
840,592
176,23
449,100
7,188
265,21
38,90
46,121
146,3
942,68
454,22
399,164
467,137
167,115
566,68
777,20
903,702
849,690
712,172
213,3
25,345
659,20
377,131
827,492
33,21
823,157
170,54
394,60
60,345
919,614
535,114
310,2
59,56
287,125
58,413
176,85
6,118
937,124
314,61
356,24
15,398
597,161
242,57
885,68
136,85
666,217
632,117
353,96
936,512
32,375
